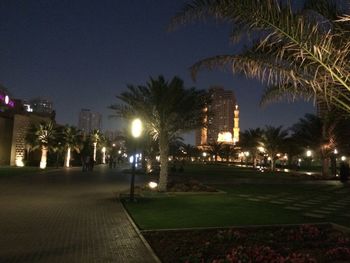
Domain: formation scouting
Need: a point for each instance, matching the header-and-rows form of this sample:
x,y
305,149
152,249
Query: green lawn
x,y
15,171
223,172
272,202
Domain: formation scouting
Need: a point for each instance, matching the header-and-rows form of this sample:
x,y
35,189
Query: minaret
x,y
236,125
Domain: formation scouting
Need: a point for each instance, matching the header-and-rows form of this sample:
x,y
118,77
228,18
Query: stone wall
x,y
21,124
6,126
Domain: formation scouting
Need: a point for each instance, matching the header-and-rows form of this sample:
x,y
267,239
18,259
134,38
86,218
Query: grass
x,y
243,204
16,171
222,172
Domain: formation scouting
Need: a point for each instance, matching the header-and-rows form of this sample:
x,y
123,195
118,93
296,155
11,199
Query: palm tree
x,y
227,150
273,140
190,151
71,140
304,51
95,138
41,136
215,148
251,140
166,108
323,135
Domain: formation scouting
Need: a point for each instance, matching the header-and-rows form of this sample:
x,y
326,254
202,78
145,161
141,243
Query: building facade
x,y
222,119
89,121
40,105
15,121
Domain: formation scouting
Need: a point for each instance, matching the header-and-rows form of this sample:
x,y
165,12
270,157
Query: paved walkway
x,y
67,216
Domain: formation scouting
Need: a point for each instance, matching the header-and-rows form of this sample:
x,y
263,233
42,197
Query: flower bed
x,y
288,244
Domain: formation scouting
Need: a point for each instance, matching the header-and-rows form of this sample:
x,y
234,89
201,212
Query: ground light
x,y
136,130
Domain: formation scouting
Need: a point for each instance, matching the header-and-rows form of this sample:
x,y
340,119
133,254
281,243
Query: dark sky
x,y
81,53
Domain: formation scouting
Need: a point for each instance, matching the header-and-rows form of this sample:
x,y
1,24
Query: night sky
x,y
81,53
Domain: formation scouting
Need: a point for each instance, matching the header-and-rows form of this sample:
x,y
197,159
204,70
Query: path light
x,y
335,151
136,131
204,154
343,158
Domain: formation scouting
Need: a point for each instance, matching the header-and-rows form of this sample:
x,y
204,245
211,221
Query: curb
x,y
239,227
341,228
144,241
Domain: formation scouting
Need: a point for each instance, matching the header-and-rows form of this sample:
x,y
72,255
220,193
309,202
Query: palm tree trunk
x,y
272,164
254,162
164,152
95,144
325,166
67,157
43,160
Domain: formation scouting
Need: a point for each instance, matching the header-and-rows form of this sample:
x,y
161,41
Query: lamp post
x,y
136,130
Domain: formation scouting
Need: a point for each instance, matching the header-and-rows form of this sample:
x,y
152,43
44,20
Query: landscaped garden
x,y
274,199
293,244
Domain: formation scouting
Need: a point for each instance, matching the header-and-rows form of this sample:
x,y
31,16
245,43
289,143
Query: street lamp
x,y
308,153
136,130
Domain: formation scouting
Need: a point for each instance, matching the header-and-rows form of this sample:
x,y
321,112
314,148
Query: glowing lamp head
x,y
7,99
103,149
335,151
204,154
136,128
152,185
308,153
343,158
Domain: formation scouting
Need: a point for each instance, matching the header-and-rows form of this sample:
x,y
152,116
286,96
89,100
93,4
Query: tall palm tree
x,y
215,148
96,137
227,150
323,135
190,151
41,136
251,140
166,109
306,48
71,141
273,140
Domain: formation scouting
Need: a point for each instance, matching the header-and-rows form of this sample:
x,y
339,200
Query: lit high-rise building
x,y
89,121
41,105
222,119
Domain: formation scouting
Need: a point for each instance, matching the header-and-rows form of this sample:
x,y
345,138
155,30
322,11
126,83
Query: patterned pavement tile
x,y
67,216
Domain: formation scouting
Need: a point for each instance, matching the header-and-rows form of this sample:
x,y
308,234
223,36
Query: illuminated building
x,y
15,120
40,105
89,121
222,119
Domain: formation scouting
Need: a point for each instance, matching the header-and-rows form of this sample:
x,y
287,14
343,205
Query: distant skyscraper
x,y
41,105
222,120
89,121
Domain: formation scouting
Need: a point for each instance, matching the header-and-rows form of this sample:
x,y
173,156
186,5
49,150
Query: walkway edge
x,y
137,230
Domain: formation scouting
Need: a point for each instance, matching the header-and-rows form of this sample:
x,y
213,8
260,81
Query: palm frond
x,y
288,93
